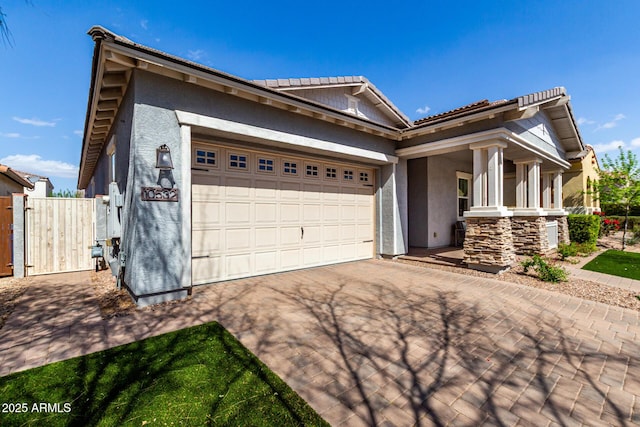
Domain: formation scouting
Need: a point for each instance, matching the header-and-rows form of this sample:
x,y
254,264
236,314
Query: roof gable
x,y
358,86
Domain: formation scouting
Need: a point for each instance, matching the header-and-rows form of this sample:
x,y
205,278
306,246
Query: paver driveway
x,y
379,342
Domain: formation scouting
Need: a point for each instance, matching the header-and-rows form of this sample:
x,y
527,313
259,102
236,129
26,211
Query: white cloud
x,y
36,164
78,132
613,123
11,135
196,55
423,110
34,122
144,24
585,121
613,145
635,142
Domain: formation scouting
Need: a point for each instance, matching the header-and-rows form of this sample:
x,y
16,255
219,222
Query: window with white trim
x,y
311,171
265,165
463,188
205,157
331,173
347,175
290,168
238,161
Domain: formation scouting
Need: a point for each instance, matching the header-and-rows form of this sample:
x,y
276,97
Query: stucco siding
x,y
442,187
418,203
9,186
151,236
176,95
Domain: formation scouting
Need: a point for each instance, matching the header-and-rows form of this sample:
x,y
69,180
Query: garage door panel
x,y
289,190
290,235
238,212
266,262
312,192
206,242
252,222
347,232
266,213
312,256
237,187
289,212
347,212
206,270
205,214
266,189
238,265
266,237
238,239
290,259
330,192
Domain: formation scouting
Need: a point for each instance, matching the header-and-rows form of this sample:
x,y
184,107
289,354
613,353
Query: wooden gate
x,y
6,236
59,234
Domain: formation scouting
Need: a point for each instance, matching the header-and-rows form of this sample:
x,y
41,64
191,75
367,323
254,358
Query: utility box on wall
x,y
114,227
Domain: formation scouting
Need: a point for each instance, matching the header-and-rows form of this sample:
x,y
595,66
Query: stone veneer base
x,y
488,243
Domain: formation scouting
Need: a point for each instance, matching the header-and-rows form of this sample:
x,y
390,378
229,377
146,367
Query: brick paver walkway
x,y
382,343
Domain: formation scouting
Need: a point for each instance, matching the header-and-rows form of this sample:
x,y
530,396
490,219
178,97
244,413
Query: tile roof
x,y
460,111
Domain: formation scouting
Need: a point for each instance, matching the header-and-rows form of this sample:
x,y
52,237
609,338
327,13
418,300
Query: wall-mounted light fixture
x,y
166,192
163,158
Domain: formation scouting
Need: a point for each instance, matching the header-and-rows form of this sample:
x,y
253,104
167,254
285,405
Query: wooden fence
x,y
59,232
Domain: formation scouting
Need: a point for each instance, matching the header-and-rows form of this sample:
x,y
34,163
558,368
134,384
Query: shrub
x,y
565,251
545,271
632,221
584,228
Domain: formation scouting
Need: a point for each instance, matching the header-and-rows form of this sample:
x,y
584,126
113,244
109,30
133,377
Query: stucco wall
x,y
9,186
418,203
152,231
442,187
393,218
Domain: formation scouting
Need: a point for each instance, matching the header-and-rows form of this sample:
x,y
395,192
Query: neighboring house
x,y
12,182
42,187
212,177
579,183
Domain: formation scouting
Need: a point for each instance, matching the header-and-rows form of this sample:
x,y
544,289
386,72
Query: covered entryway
x,y
6,237
256,212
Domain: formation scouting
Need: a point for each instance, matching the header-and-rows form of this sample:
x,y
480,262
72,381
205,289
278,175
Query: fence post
x,y
19,238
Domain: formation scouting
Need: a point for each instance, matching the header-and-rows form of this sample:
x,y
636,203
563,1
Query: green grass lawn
x,y
197,376
617,263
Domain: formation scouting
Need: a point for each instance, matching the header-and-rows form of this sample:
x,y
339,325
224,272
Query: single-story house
x,y
42,186
11,181
212,177
579,183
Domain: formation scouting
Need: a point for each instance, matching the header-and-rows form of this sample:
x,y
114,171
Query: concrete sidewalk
x,y
380,343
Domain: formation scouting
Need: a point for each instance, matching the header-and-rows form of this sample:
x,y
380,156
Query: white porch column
x,y
546,190
488,180
479,178
556,181
521,185
528,188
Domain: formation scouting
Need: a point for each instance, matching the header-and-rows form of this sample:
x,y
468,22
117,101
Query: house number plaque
x,y
159,194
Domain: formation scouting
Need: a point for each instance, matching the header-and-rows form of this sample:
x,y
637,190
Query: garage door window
x,y
206,157
237,161
347,175
312,171
331,173
364,177
265,165
289,168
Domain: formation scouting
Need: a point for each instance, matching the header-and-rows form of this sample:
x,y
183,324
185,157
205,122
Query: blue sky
x,y
426,56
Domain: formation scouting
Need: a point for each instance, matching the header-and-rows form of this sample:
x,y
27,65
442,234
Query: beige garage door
x,y
258,212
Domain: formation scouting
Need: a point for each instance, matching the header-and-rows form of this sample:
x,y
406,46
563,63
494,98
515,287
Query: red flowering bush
x,y
607,225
